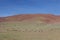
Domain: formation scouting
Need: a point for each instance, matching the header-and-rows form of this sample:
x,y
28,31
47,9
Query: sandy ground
x,y
30,35
51,35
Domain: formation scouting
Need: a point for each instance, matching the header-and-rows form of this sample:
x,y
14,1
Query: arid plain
x,y
30,27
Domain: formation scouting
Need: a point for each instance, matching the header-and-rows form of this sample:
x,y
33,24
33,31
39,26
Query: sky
x,y
13,7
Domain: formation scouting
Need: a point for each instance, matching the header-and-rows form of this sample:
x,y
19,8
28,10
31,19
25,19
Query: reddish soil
x,y
2,19
47,18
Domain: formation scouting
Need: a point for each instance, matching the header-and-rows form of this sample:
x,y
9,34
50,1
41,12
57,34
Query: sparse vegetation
x,y
29,31
30,27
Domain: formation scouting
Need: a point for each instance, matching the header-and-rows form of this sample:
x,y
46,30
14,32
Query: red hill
x,y
47,18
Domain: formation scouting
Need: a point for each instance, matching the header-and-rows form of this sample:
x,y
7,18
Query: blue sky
x,y
13,7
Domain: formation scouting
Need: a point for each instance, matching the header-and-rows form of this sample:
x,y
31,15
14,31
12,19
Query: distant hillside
x,y
2,19
46,18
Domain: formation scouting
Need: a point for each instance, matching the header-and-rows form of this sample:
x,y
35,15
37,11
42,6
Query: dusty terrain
x,y
30,27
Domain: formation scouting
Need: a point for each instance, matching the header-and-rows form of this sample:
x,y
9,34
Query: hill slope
x,y
47,18
29,27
